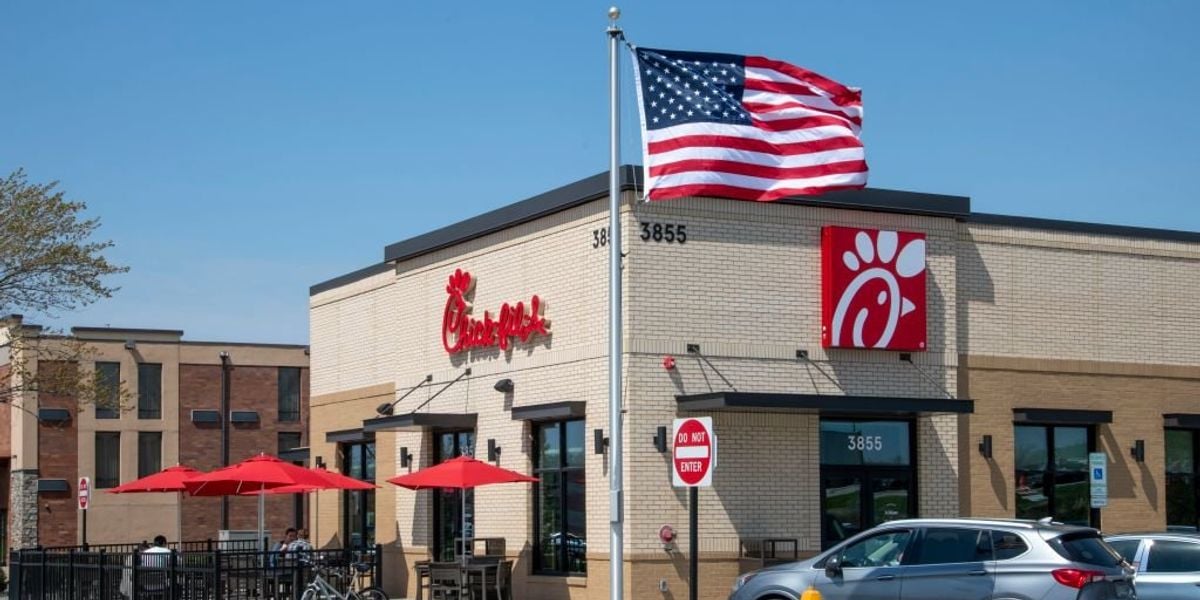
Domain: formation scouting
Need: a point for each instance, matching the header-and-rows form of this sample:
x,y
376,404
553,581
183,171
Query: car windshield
x,y
1086,547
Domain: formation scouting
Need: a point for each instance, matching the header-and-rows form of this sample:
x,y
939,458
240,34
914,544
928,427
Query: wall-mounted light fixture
x,y
504,386
599,441
985,446
1138,451
320,462
493,451
384,409
130,345
405,457
660,439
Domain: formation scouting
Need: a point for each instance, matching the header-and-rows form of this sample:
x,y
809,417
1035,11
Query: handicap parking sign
x,y
1098,473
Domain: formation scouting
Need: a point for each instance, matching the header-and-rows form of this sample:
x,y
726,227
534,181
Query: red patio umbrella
x,y
463,472
169,479
333,481
262,472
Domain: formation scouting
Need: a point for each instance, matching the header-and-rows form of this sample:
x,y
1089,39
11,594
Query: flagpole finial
x,y
614,13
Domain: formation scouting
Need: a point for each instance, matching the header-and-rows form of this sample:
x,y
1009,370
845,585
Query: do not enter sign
x,y
694,452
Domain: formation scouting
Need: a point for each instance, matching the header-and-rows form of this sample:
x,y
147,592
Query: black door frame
x,y
1195,433
438,546
869,472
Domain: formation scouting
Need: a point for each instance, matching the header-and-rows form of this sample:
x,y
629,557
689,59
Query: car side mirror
x,y
833,566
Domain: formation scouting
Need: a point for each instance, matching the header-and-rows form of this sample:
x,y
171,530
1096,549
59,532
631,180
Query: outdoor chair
x,y
445,582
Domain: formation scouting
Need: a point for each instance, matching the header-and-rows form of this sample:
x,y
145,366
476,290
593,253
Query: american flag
x,y
745,127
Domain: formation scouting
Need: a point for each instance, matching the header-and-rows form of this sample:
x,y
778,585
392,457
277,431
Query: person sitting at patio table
x,y
281,548
154,562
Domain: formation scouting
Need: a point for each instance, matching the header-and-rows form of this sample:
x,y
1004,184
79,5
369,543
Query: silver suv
x,y
954,559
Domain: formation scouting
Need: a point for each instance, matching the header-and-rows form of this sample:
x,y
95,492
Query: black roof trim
x,y
893,201
1057,416
350,277
553,411
819,403
1168,235
349,436
415,421
85,329
1181,421
556,200
596,187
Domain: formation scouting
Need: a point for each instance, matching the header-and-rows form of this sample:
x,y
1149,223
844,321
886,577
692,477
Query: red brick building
x,y
185,402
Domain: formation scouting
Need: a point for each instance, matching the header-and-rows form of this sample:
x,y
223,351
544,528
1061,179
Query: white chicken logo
x,y
910,262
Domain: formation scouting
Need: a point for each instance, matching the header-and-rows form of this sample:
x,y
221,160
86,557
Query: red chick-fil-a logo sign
x,y
872,289
461,331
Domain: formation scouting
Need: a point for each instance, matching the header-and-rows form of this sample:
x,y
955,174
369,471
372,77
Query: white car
x,y
1168,564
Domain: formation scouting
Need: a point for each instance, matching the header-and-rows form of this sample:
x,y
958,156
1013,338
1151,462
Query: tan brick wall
x,y
1032,293
1136,490
750,320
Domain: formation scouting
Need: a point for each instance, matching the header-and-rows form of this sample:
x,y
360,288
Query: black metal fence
x,y
96,573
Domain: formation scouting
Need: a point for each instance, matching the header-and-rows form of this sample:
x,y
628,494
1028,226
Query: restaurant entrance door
x,y
447,505
867,475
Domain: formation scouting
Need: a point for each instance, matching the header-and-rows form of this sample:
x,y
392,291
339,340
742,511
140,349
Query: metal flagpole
x,y
615,518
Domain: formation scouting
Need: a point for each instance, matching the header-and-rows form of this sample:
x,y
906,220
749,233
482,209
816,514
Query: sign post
x,y
693,458
85,500
1098,478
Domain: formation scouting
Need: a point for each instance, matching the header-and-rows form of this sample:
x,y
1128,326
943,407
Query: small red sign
x,y
694,452
461,331
872,289
85,493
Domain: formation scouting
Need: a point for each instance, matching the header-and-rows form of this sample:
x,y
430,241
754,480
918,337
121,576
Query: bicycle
x,y
320,588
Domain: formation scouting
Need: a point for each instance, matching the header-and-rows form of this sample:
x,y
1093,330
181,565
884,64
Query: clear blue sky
x,y
238,152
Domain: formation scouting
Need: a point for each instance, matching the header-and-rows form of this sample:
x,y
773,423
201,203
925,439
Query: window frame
x,y
1195,435
99,482
1148,567
1051,470
840,553
279,436
102,385
563,470
149,412
363,498
285,413
144,435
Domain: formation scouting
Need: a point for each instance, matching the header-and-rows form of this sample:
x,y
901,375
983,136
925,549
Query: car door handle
x,y
891,577
977,573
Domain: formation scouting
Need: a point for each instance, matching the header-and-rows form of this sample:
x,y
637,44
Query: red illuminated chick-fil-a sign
x,y
461,331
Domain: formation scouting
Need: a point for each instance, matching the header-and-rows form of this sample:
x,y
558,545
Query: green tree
x,y
49,262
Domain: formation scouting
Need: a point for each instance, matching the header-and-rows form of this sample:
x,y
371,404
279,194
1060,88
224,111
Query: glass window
x,y
865,443
945,545
448,504
1167,556
1086,547
1006,545
1052,473
289,393
358,507
149,453
560,498
292,439
108,459
149,391
883,550
108,390
1126,548
1181,479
